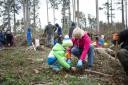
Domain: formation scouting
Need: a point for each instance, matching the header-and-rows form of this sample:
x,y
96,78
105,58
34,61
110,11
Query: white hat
x,y
67,41
102,36
66,37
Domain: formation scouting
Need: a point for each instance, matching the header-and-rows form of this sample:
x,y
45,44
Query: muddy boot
x,y
84,65
89,68
56,67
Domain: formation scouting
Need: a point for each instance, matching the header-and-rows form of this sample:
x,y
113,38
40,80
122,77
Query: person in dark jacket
x,y
49,31
9,38
58,29
73,26
121,39
57,33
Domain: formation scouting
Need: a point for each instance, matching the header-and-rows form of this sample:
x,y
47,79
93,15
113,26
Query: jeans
x,y
29,42
77,52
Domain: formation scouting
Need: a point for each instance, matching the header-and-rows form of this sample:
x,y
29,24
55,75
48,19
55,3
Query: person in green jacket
x,y
56,58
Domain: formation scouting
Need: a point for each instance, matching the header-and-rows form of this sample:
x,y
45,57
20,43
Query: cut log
x,y
96,72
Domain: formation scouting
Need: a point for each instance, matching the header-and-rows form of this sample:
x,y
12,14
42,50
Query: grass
x,y
20,67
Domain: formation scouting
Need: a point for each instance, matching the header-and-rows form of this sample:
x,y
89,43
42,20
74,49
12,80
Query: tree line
x,y
10,9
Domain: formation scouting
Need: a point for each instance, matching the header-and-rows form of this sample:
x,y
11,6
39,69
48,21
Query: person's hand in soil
x,y
73,69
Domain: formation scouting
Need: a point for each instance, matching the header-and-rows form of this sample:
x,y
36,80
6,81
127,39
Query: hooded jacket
x,y
59,52
58,29
123,38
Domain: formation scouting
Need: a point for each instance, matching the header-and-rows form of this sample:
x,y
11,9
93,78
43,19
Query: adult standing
x,y
49,31
73,26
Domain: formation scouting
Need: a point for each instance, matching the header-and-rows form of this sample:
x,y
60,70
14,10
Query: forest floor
x,y
23,66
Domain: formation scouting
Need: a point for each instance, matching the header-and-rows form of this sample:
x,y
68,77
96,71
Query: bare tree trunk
x,y
39,23
126,14
78,12
111,12
108,11
14,19
63,13
26,14
123,26
97,17
34,17
85,23
8,11
47,11
74,10
69,14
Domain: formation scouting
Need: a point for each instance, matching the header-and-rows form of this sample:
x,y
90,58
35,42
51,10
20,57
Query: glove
x,y
79,64
69,61
68,55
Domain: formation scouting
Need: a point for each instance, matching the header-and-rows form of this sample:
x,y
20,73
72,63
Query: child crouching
x,y
57,59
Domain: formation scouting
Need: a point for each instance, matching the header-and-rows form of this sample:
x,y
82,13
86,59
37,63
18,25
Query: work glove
x,y
79,64
69,61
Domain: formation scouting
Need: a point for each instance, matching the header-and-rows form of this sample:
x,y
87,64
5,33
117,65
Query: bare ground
x,y
22,66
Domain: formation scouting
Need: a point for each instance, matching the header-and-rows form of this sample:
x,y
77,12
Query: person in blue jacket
x,y
101,41
29,37
1,39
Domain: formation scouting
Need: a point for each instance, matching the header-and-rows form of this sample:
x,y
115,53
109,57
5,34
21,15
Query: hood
x,y
58,47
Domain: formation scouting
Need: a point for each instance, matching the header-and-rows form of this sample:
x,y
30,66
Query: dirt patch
x,y
29,67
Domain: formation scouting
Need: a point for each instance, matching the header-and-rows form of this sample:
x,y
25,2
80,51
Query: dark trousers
x,y
9,39
123,58
49,39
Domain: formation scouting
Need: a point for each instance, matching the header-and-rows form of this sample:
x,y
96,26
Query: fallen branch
x,y
99,73
9,48
17,72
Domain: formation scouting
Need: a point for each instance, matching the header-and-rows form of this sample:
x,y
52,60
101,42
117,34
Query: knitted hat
x,y
67,41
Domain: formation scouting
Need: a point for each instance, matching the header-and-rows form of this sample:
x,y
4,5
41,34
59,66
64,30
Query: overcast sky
x,y
86,6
